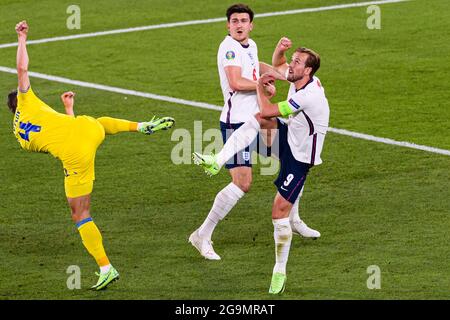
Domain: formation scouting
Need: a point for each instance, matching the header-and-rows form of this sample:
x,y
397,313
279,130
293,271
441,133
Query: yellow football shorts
x,y
78,157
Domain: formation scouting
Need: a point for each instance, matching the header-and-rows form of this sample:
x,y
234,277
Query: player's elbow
x,y
234,85
278,66
266,113
21,69
276,61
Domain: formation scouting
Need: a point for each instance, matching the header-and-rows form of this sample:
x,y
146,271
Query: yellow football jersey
x,y
38,127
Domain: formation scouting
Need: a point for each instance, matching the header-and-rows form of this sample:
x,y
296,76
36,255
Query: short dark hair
x,y
239,8
313,60
12,101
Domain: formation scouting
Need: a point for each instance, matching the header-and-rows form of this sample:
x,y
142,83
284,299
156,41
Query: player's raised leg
x,y
113,125
239,140
92,239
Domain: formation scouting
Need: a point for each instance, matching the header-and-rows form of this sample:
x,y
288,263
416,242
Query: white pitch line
x,y
205,21
389,141
217,108
116,90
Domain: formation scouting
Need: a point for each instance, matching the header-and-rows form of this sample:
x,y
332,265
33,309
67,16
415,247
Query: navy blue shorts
x,y
292,175
242,158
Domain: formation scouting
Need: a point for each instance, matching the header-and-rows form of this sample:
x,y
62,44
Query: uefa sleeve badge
x,y
230,55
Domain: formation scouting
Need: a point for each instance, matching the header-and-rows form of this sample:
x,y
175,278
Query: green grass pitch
x,y
375,204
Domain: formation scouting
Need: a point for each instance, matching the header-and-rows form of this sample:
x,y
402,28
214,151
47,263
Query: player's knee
x,y
242,177
79,213
281,208
79,207
244,184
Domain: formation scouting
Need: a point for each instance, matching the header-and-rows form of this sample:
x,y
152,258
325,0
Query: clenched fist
x,y
68,99
22,29
284,44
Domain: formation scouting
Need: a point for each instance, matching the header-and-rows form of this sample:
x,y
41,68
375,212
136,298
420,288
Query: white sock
x,y
105,269
282,235
240,139
140,126
225,200
294,214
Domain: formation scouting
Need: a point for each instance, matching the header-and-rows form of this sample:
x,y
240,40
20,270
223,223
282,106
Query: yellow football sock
x,y
92,240
113,126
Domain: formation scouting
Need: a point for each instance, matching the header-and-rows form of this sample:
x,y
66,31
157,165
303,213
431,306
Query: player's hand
x,y
266,79
68,99
269,90
22,29
284,44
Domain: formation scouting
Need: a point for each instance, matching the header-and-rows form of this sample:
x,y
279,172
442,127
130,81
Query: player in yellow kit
x,y
74,140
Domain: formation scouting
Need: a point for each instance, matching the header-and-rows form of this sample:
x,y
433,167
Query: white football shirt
x,y
308,124
239,106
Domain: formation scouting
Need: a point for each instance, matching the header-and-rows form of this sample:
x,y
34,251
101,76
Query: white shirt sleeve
x,y
229,56
300,101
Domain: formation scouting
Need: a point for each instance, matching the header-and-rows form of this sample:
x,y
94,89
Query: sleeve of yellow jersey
x,y
28,99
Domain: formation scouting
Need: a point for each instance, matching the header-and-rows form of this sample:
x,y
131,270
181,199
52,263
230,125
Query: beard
x,y
293,78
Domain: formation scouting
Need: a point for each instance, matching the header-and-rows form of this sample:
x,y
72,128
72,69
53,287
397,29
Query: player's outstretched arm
x,y
268,69
68,99
279,61
22,56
